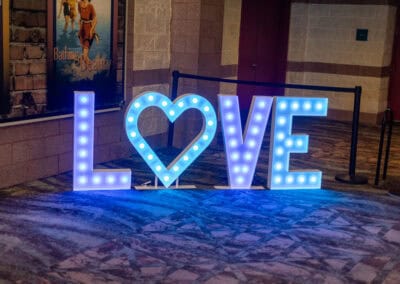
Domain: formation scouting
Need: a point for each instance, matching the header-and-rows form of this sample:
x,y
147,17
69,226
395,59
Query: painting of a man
x,y
68,9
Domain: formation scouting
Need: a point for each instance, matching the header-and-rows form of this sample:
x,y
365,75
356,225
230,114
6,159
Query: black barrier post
x,y
380,149
351,177
389,139
175,82
386,120
174,94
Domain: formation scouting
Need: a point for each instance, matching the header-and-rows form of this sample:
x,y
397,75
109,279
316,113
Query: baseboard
x,y
158,140
345,115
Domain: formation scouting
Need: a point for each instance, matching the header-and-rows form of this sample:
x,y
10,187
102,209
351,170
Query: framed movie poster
x,y
4,56
82,41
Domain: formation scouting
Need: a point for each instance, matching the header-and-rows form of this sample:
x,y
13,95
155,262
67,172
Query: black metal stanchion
x,y
387,120
380,150
389,140
351,177
174,93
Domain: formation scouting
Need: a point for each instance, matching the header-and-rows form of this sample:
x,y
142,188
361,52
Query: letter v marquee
x,y
242,151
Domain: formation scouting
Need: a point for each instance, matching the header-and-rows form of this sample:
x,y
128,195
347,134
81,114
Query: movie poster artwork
x,y
82,53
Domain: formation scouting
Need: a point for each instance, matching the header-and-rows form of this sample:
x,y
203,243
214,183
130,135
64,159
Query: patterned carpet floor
x,y
340,234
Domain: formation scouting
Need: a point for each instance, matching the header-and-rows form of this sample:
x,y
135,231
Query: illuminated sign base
x,y
148,186
254,187
242,148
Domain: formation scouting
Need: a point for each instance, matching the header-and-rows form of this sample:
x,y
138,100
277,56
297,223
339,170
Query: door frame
x,y
283,50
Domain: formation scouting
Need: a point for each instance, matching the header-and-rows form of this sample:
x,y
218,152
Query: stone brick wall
x,y
197,28
151,51
231,32
175,34
185,40
27,56
151,34
230,41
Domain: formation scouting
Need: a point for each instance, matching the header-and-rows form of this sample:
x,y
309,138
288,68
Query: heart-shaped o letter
x,y
172,110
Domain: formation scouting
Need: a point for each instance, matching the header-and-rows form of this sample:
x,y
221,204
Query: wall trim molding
x,y
347,115
340,69
150,77
229,70
350,2
320,67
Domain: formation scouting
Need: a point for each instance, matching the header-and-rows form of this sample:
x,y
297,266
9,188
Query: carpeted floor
x,y
205,236
340,234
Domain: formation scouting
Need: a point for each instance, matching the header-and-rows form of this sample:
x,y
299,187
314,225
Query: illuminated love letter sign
x,y
85,178
242,151
172,110
283,143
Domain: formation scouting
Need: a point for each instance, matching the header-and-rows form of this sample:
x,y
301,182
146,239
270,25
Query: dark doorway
x,y
263,46
394,86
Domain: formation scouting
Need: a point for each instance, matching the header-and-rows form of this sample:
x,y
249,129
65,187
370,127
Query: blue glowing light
x,y
167,175
85,178
282,143
242,151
